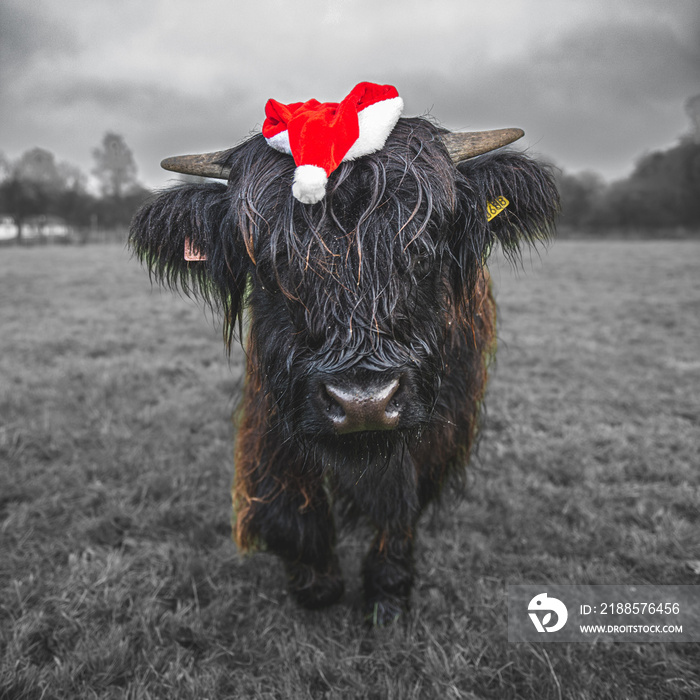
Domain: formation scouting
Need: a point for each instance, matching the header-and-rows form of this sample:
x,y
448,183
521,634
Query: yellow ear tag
x,y
496,207
192,252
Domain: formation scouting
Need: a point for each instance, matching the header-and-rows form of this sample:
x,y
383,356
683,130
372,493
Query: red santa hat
x,y
320,136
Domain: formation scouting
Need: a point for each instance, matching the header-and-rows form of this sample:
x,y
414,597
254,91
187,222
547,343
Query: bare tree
x,y
115,167
31,186
692,108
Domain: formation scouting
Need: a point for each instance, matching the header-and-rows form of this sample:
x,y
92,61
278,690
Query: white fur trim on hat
x,y
376,123
280,142
309,184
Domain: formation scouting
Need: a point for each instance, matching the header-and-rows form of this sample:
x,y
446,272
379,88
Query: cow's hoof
x,y
380,613
313,589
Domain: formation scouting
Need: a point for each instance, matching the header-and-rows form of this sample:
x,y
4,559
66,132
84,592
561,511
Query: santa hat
x,y
320,136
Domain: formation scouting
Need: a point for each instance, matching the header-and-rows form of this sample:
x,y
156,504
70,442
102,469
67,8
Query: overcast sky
x,y
594,83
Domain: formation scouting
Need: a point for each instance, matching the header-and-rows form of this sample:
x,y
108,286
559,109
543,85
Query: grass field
x,y
118,578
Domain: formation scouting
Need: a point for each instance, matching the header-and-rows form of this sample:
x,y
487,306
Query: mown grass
x,y
117,574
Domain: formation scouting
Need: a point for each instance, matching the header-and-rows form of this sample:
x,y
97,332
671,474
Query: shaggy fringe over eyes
x,y
387,200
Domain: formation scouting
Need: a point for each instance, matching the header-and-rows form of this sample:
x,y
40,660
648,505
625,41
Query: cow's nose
x,y
354,408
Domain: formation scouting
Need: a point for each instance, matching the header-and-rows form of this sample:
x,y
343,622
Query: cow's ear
x,y
503,197
198,218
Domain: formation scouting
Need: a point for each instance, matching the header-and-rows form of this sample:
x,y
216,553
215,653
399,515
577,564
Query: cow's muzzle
x,y
358,407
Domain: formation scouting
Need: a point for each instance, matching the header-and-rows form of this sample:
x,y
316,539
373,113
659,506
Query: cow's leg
x,y
299,528
280,502
391,503
388,574
281,506
294,521
292,518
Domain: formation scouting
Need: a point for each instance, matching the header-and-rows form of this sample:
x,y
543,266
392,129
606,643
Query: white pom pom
x,y
309,184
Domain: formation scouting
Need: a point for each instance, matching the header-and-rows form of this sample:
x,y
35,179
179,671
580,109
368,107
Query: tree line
x,y
662,194
660,197
37,187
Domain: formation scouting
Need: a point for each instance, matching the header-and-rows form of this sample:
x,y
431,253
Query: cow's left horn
x,y
467,144
202,165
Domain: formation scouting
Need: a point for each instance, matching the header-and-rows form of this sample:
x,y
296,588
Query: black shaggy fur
x,y
383,279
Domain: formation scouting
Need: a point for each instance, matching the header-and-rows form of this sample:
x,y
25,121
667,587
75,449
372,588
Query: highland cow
x,y
370,324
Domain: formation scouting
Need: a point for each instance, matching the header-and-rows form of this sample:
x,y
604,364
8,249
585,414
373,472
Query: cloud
x,y
593,83
595,96
25,38
605,94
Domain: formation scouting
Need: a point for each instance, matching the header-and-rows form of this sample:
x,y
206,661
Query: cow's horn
x,y
467,144
202,165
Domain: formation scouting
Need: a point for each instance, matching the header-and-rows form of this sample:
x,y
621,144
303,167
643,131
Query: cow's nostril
x,y
356,408
333,407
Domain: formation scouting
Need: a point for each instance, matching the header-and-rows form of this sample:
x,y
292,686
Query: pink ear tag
x,y
192,252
